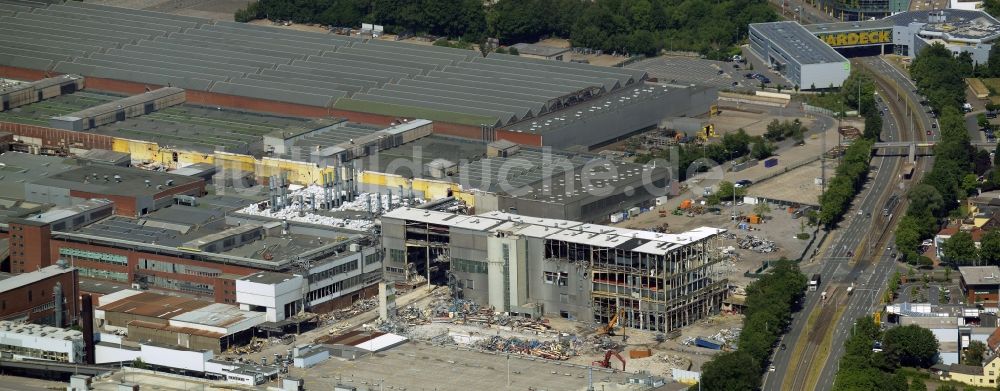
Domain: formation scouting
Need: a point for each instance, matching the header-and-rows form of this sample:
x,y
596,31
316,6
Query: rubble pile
x,y
255,345
728,336
675,361
359,307
757,244
404,321
552,350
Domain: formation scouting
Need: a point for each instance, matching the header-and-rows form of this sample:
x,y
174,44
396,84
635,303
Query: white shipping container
x,y
191,360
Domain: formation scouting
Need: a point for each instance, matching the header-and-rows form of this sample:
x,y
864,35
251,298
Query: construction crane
x,y
606,363
609,329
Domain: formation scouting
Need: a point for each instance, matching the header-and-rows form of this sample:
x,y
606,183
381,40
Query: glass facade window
x,y
72,254
468,266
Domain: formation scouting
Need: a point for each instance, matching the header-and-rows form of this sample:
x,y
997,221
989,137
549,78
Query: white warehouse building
x,y
791,50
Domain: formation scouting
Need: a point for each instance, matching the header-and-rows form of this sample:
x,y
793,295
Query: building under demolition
x,y
534,266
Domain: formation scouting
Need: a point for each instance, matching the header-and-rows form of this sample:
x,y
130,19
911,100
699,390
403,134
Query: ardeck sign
x,y
857,38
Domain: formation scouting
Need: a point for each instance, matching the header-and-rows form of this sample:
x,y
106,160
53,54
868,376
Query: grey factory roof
x,y
18,169
316,69
185,215
798,42
523,173
114,180
104,156
63,212
146,230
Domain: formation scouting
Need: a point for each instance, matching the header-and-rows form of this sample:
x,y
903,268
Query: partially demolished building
x,y
533,266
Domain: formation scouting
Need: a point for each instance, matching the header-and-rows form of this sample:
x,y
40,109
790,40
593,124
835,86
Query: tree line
x,y
734,145
940,76
623,26
857,91
863,368
770,302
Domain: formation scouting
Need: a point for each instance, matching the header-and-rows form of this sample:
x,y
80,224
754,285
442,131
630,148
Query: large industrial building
x,y
788,46
533,181
534,266
257,68
176,321
791,50
195,251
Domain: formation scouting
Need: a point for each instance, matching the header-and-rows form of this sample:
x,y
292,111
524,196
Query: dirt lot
x,y
672,353
755,124
293,26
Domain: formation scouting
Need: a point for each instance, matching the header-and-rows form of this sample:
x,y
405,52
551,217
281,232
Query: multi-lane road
x,y
796,367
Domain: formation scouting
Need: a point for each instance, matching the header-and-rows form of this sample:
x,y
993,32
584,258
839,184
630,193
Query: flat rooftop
x,y
267,278
114,180
186,127
36,330
218,315
154,305
980,275
63,212
798,42
18,169
154,230
523,172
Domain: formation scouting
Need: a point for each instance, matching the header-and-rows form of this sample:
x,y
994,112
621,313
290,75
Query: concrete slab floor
x,y
420,366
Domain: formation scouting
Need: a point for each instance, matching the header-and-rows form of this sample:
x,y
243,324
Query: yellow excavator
x,y
609,329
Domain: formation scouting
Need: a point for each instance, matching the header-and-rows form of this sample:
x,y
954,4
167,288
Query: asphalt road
x,y
869,274
869,287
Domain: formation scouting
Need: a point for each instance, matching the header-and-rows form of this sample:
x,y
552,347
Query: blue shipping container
x,y
707,343
771,162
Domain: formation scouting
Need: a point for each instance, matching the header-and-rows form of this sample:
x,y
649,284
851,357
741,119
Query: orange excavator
x,y
607,359
609,329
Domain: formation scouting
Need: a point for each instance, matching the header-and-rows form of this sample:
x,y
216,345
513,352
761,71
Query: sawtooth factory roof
x,y
315,69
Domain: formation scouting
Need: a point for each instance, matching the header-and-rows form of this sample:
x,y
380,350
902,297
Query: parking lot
x,y
691,70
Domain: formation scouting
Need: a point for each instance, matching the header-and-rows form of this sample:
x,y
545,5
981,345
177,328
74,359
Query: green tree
x,y
974,354
982,121
917,384
910,345
761,209
960,249
735,371
761,149
989,247
993,63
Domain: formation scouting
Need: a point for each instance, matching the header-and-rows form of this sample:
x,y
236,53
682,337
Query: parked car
x,y
743,183
929,133
749,76
721,71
